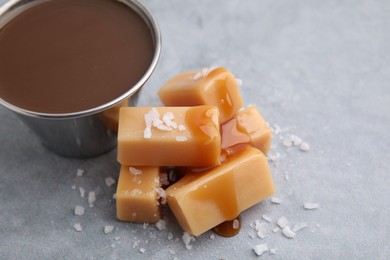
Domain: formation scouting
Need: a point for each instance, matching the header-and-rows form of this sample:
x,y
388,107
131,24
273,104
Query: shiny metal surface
x,y
84,133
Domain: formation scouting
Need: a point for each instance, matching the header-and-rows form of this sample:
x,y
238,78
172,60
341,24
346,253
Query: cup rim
x,y
148,18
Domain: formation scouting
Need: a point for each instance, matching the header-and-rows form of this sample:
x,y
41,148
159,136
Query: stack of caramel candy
x,y
212,147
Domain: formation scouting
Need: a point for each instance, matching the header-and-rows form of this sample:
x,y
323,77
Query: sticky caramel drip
x,y
228,228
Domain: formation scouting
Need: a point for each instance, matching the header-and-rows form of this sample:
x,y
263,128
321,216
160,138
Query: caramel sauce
x,y
228,228
66,56
200,125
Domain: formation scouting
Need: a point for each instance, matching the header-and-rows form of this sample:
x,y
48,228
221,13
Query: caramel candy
x,y
217,87
136,194
169,136
203,200
248,126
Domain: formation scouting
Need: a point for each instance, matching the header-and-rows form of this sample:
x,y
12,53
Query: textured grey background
x,y
318,69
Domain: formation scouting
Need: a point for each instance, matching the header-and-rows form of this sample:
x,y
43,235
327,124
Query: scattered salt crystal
x,y
134,171
181,138
276,200
171,251
148,132
135,244
187,238
272,251
117,238
260,249
113,245
142,250
167,119
170,236
161,224
109,181
276,129
282,222
91,198
267,218
236,224
82,192
197,76
304,147
77,227
163,127
108,229
287,142
251,235
273,157
295,140
145,225
239,82
275,229
80,172
298,227
311,206
287,232
161,194
181,128
79,210
114,196
73,187
212,236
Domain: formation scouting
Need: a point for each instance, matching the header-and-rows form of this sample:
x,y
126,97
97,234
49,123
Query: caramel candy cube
x,y
136,194
169,136
203,200
217,87
248,126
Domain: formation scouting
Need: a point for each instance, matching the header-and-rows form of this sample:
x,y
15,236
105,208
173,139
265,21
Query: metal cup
x,y
85,133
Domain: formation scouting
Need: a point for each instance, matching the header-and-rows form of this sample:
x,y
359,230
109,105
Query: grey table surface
x,y
319,70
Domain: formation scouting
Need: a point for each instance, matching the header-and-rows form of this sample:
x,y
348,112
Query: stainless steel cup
x,y
85,133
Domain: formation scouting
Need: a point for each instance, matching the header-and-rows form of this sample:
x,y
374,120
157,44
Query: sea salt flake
x,y
181,128
295,140
260,249
272,251
287,232
276,200
142,250
298,227
134,171
77,227
212,236
164,128
109,181
117,238
170,236
73,187
304,147
239,81
171,251
161,224
275,229
181,138
311,206
287,143
236,224
91,198
267,218
79,172
82,192
161,194
282,222
197,76
108,229
79,210
187,238
148,132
